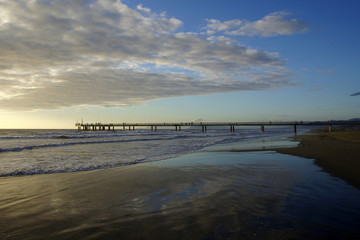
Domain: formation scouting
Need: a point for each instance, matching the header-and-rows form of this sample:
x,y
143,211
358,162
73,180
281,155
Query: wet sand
x,y
203,195
337,152
207,195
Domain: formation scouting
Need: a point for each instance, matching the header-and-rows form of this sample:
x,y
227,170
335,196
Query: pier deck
x,y
203,125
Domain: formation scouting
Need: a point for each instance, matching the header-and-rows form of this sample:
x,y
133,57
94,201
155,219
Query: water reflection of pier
x,y
203,125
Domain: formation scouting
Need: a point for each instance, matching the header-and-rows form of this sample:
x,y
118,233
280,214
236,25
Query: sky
x,y
64,61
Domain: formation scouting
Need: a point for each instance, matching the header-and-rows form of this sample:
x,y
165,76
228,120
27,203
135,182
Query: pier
x,y
203,125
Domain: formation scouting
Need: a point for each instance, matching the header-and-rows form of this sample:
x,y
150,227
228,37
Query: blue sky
x,y
147,61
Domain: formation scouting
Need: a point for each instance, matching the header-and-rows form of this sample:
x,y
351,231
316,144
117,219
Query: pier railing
x,y
177,126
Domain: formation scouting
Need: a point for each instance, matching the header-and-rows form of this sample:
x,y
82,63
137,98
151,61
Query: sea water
x,y
24,152
69,184
204,195
168,185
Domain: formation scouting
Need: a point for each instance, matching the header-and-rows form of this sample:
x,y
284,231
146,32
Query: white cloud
x,y
65,53
273,24
144,9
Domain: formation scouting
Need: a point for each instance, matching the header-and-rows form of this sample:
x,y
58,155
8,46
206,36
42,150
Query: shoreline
x,y
336,152
201,195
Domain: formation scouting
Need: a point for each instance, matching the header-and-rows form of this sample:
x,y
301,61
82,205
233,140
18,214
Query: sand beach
x,y
337,152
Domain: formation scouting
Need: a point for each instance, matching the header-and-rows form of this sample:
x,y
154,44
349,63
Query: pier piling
x,y
204,128
232,128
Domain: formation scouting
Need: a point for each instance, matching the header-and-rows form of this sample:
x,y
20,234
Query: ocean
x,y
24,152
66,184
